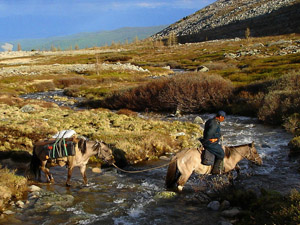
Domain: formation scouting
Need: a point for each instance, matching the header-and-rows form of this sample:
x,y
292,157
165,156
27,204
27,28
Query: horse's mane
x,y
97,146
227,149
82,145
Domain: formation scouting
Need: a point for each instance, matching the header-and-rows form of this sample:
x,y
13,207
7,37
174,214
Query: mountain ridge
x,y
230,18
86,39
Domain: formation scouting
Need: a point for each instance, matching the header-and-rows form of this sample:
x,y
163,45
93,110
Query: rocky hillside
x,y
230,18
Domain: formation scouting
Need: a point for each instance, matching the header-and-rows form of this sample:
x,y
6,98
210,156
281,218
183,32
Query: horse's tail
x,y
171,174
35,165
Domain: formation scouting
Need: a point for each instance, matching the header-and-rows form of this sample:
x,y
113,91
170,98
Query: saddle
x,y
58,148
207,158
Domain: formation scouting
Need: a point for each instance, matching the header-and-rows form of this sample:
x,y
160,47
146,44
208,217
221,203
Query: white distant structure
x,y
7,47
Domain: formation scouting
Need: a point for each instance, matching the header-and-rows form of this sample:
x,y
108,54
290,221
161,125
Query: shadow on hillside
x,y
285,20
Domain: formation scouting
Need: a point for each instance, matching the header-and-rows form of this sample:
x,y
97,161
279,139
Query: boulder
x,y
214,205
230,212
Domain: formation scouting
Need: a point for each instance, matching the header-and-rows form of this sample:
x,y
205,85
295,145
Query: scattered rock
x,y
180,134
96,170
164,158
225,205
214,205
224,223
28,109
20,204
8,212
34,188
230,212
202,69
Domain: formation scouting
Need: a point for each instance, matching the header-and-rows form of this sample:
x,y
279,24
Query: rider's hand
x,y
212,140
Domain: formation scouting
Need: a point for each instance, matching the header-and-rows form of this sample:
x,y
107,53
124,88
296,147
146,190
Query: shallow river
x,y
114,197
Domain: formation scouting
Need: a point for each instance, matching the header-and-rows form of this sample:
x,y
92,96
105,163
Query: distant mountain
x,y
230,19
89,39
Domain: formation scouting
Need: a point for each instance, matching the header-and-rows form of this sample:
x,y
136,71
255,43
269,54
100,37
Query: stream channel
x,y
114,197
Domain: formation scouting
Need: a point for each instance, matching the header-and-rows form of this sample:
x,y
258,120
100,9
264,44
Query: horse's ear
x,y
252,144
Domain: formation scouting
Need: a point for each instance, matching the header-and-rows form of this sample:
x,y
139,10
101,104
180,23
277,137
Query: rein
x,y
140,171
245,156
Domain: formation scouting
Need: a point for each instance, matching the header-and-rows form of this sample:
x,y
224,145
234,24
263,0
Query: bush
x,y
70,81
43,86
189,92
278,105
282,101
294,146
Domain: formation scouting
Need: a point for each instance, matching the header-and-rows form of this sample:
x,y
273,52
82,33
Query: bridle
x,y
97,146
249,156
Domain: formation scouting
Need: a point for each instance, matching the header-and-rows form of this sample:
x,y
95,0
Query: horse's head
x,y
104,152
253,155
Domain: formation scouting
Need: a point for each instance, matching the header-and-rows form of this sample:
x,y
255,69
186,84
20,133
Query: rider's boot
x,y
217,168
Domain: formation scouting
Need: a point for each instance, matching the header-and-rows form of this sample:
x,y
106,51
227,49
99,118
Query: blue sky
x,y
24,19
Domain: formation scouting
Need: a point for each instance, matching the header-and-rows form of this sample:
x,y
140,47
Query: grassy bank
x,y
12,187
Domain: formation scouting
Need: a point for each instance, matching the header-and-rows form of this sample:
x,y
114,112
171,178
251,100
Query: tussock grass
x,y
11,187
129,134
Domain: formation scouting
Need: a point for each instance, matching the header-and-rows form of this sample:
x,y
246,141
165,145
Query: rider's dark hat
x,y
221,113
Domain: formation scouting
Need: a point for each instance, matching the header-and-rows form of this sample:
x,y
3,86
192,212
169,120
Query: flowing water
x,y
114,197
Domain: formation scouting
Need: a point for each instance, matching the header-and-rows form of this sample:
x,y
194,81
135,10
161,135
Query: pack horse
x,y
72,152
184,163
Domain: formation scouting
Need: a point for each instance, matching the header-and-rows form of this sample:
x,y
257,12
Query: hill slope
x,y
91,39
230,19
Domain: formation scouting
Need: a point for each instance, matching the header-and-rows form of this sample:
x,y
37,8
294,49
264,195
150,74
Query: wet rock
x,y
230,212
56,210
214,205
96,170
34,188
8,212
20,204
224,223
164,158
165,195
202,197
225,205
48,199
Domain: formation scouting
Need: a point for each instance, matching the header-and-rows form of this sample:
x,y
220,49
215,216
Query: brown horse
x,y
188,161
83,151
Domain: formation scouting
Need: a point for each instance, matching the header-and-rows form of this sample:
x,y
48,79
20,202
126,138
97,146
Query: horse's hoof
x,y
68,185
180,188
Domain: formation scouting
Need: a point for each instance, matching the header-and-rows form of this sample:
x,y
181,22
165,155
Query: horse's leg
x,y
70,170
182,180
83,173
70,162
46,171
237,168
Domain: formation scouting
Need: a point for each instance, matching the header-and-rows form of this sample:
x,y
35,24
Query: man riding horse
x,y
211,140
